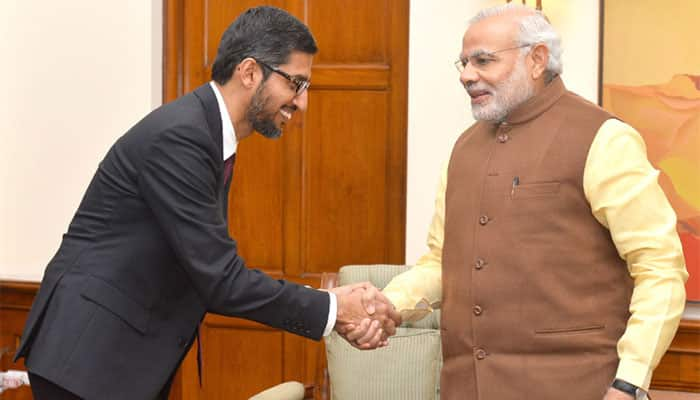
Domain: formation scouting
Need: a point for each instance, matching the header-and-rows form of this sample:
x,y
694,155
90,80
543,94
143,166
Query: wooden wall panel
x,y
258,220
346,154
347,33
680,367
233,364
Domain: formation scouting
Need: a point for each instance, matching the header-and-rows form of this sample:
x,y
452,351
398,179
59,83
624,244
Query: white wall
x,y
75,75
438,108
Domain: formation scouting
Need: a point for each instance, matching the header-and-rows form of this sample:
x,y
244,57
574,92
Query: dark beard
x,y
260,120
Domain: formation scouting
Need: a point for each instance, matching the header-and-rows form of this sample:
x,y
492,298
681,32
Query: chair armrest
x,y
329,280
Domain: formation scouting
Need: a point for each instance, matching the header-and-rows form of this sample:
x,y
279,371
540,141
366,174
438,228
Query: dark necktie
x,y
228,174
228,169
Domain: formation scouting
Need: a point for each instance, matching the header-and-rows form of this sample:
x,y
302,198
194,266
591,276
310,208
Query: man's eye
x,y
481,61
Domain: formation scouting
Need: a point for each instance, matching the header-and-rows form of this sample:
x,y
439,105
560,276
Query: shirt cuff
x,y
634,372
332,314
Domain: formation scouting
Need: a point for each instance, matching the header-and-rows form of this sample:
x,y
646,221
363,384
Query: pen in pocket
x,y
516,182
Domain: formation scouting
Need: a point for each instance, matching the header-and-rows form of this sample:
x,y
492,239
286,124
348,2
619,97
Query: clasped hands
x,y
366,318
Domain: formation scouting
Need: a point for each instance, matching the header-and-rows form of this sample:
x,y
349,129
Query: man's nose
x,y
468,75
302,100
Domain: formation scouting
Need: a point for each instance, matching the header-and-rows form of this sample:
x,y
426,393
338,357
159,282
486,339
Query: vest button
x,y
480,354
478,310
502,138
484,219
479,264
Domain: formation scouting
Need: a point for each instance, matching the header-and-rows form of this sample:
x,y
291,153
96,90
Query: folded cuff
x,y
635,372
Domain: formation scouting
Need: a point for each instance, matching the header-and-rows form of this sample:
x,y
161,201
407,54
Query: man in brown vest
x,y
553,250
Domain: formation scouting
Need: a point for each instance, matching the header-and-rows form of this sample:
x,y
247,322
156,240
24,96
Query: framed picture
x,y
650,78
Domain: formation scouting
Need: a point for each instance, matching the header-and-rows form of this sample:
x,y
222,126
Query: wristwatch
x,y
636,392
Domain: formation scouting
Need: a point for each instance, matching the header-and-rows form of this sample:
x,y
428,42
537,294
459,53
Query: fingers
x,y
372,342
395,316
390,327
368,335
365,326
368,300
371,333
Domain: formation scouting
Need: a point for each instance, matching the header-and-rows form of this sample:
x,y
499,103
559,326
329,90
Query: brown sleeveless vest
x,y
535,295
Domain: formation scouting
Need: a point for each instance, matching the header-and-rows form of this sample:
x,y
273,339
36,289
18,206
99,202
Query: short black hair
x,y
267,34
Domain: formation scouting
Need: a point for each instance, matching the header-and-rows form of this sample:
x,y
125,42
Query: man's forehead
x,y
491,33
298,64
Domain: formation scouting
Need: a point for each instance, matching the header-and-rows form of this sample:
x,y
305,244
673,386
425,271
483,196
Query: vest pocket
x,y
570,331
538,189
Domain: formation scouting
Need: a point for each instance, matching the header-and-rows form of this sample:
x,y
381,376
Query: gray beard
x,y
260,120
507,95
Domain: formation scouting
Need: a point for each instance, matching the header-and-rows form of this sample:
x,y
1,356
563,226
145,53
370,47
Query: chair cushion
x,y
407,369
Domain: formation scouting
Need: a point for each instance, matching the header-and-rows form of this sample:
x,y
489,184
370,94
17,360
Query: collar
x,y
538,104
230,144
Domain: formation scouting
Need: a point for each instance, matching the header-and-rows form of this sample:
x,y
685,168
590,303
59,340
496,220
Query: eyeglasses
x,y
300,85
482,59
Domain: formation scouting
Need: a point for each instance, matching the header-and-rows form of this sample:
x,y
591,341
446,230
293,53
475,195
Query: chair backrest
x,y
407,369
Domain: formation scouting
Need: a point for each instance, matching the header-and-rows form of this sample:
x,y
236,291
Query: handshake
x,y
366,318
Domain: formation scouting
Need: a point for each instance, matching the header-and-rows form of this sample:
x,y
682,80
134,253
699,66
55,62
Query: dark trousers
x,y
43,389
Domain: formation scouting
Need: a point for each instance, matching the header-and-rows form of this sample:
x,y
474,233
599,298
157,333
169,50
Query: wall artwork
x,y
650,78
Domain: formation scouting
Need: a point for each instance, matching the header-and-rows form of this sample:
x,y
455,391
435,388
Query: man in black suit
x,y
148,253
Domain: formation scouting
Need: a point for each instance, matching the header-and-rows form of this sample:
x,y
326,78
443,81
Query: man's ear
x,y
248,73
540,58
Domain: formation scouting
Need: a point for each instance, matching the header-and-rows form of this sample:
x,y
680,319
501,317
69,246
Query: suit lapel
x,y
213,114
211,109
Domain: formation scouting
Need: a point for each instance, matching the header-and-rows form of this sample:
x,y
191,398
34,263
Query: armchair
x,y
407,369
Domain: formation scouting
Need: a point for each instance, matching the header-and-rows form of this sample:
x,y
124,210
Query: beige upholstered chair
x,y
407,369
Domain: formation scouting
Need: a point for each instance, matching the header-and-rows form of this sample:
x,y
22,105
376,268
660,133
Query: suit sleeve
x,y
179,181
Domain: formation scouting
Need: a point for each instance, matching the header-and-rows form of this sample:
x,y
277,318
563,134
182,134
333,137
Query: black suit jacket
x,y
146,255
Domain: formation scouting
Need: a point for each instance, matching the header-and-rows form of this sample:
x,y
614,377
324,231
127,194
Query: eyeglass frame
x,y
461,65
300,84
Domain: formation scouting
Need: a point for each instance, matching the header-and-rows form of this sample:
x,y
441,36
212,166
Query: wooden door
x,y
330,192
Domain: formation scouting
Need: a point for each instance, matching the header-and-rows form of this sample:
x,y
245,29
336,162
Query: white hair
x,y
534,28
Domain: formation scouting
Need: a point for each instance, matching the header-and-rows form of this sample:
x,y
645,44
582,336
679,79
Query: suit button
x,y
484,219
479,264
181,341
478,310
502,138
480,354
307,332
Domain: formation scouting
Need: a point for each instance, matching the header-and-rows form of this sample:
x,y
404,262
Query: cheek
x,y
496,76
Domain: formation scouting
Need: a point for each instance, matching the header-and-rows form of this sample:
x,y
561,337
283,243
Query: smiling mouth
x,y
479,97
287,112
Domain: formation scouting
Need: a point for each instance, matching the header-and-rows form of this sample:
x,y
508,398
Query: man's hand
x,y
366,318
614,394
